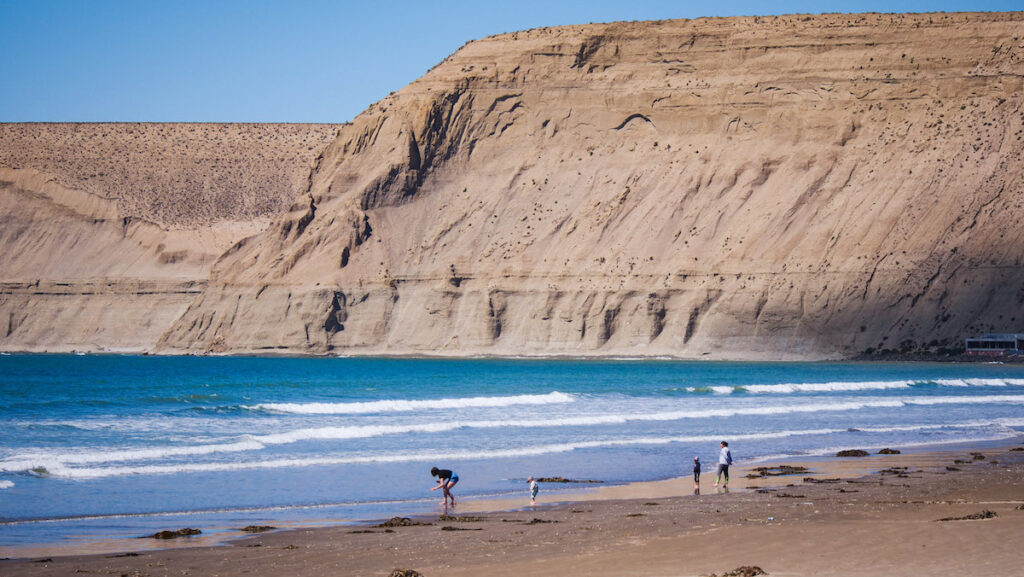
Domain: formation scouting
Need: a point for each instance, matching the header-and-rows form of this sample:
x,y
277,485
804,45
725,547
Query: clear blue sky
x,y
288,61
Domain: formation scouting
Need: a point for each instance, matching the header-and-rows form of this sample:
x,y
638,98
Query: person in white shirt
x,y
724,460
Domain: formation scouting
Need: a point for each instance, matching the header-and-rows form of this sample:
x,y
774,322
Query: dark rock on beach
x,y
781,470
745,571
186,532
888,451
405,573
986,514
258,528
367,531
564,480
401,522
852,453
534,521
820,481
460,519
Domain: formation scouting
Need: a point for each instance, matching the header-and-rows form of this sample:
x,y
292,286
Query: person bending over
x,y
446,480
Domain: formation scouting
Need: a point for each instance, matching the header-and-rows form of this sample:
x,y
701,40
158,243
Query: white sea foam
x,y
828,451
400,405
851,386
6,484
92,473
57,464
51,461
1010,422
353,432
172,426
212,511
828,387
980,382
986,399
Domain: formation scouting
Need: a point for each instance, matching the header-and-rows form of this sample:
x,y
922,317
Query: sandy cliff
x,y
790,187
109,231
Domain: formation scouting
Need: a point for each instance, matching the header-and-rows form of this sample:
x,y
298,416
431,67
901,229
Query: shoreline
x,y
299,487
565,495
505,520
898,358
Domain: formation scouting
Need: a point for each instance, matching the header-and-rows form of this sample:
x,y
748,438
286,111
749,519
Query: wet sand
x,y
876,515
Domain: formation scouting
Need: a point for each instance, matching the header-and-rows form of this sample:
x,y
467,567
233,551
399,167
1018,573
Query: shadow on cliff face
x,y
685,181
967,303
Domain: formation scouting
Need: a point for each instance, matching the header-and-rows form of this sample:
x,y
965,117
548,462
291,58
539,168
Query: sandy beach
x,y
943,512
571,246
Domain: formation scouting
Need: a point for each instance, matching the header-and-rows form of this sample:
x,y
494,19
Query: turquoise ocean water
x,y
109,447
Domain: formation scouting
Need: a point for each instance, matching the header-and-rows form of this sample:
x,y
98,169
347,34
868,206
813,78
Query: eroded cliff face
x,y
109,231
791,187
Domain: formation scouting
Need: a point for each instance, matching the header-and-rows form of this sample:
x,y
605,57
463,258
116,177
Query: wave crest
x,y
463,455
403,405
58,464
853,386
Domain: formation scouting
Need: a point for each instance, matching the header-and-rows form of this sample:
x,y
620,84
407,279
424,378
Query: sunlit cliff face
x,y
791,187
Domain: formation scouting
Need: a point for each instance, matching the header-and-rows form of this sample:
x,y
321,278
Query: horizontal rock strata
x,y
784,187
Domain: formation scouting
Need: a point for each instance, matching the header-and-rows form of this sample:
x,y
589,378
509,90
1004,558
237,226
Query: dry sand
x,y
865,516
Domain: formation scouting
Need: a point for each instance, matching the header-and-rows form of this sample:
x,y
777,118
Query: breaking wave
x,y
60,464
426,456
846,387
400,405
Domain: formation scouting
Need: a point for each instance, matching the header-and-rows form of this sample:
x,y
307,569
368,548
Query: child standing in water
x,y
696,475
446,480
533,490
